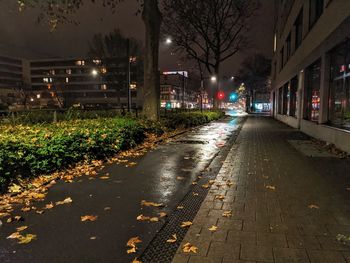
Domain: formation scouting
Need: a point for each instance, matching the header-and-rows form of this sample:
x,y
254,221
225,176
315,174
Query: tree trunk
x,y
216,88
152,19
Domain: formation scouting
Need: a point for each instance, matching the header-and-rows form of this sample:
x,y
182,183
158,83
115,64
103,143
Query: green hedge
x,y
31,150
191,119
38,149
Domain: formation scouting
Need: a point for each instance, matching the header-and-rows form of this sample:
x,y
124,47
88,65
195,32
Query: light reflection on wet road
x,y
63,238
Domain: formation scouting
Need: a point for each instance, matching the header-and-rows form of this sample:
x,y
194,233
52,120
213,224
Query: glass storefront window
x,y
312,98
339,111
285,98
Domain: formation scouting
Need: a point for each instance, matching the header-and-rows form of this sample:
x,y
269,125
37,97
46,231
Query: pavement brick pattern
x,y
286,207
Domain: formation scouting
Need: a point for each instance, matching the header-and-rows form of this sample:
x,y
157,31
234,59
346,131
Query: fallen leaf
x,y
26,239
14,188
136,261
162,214
25,209
49,206
186,224
14,235
173,239
213,228
314,207
145,203
38,196
40,212
194,183
205,186
131,244
220,197
188,248
107,209
21,228
68,200
104,177
93,238
195,194
142,218
90,218
227,214
154,219
180,178
229,183
270,187
180,207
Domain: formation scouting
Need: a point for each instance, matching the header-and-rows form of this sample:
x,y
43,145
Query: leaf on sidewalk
x,y
26,209
104,177
142,218
173,239
162,214
136,261
26,239
213,228
186,224
14,188
146,203
227,214
229,183
206,186
314,206
132,244
49,206
220,197
189,248
195,194
270,187
21,228
68,200
180,207
154,219
180,178
40,212
90,218
14,235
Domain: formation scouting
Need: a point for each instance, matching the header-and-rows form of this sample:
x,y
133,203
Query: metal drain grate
x,y
161,251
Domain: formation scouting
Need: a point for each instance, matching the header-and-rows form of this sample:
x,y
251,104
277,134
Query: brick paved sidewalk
x,y
286,207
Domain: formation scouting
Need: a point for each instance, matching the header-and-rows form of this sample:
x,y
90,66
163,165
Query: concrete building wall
x,y
331,29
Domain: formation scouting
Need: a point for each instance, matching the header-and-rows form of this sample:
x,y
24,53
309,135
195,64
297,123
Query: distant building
x,y
12,81
311,68
84,82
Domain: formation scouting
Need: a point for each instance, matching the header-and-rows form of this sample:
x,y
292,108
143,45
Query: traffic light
x,y
233,97
221,95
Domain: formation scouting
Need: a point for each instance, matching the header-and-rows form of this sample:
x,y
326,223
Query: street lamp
x,y
213,79
94,72
168,41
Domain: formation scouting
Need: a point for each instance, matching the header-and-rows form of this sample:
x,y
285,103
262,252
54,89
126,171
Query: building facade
x,y
311,68
13,76
84,82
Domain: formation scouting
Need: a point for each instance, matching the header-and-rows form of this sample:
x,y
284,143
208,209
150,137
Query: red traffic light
x,y
221,95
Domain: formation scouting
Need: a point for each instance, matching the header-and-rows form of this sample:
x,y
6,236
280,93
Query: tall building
x,y
311,68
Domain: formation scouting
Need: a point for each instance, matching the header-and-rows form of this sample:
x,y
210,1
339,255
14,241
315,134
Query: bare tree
x,y
209,31
61,11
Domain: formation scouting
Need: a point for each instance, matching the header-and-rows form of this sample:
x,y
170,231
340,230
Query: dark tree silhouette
x,y
209,31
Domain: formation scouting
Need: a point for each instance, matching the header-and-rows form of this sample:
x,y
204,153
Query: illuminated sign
x,y
182,73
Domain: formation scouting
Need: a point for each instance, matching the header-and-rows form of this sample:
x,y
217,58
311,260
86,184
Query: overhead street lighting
x,y
94,72
168,41
213,78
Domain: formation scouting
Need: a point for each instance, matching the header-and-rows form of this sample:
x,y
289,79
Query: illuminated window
x,y
46,80
80,63
103,70
97,61
67,80
68,71
52,72
103,87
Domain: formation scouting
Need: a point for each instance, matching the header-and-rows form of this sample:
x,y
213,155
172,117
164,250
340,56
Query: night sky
x,y
21,36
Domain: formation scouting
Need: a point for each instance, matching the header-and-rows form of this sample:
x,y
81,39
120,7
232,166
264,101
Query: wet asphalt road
x,y
62,237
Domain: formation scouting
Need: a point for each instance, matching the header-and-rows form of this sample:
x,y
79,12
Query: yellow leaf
x,y
40,212
195,194
270,187
131,250
154,219
49,206
180,178
206,186
20,229
229,183
314,207
26,239
90,218
136,261
188,248
173,239
68,200
162,214
14,235
25,209
131,244
213,228
186,224
145,203
104,177
180,207
227,214
220,197
15,188
142,218
38,196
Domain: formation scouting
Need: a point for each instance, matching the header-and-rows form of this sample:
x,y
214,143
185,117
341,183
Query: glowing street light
x,y
168,41
213,79
94,72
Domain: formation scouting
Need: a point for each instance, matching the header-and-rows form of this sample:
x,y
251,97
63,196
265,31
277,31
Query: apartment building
x,y
13,75
84,82
311,68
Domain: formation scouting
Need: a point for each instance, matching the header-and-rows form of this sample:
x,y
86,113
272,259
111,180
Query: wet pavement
x,y
164,175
